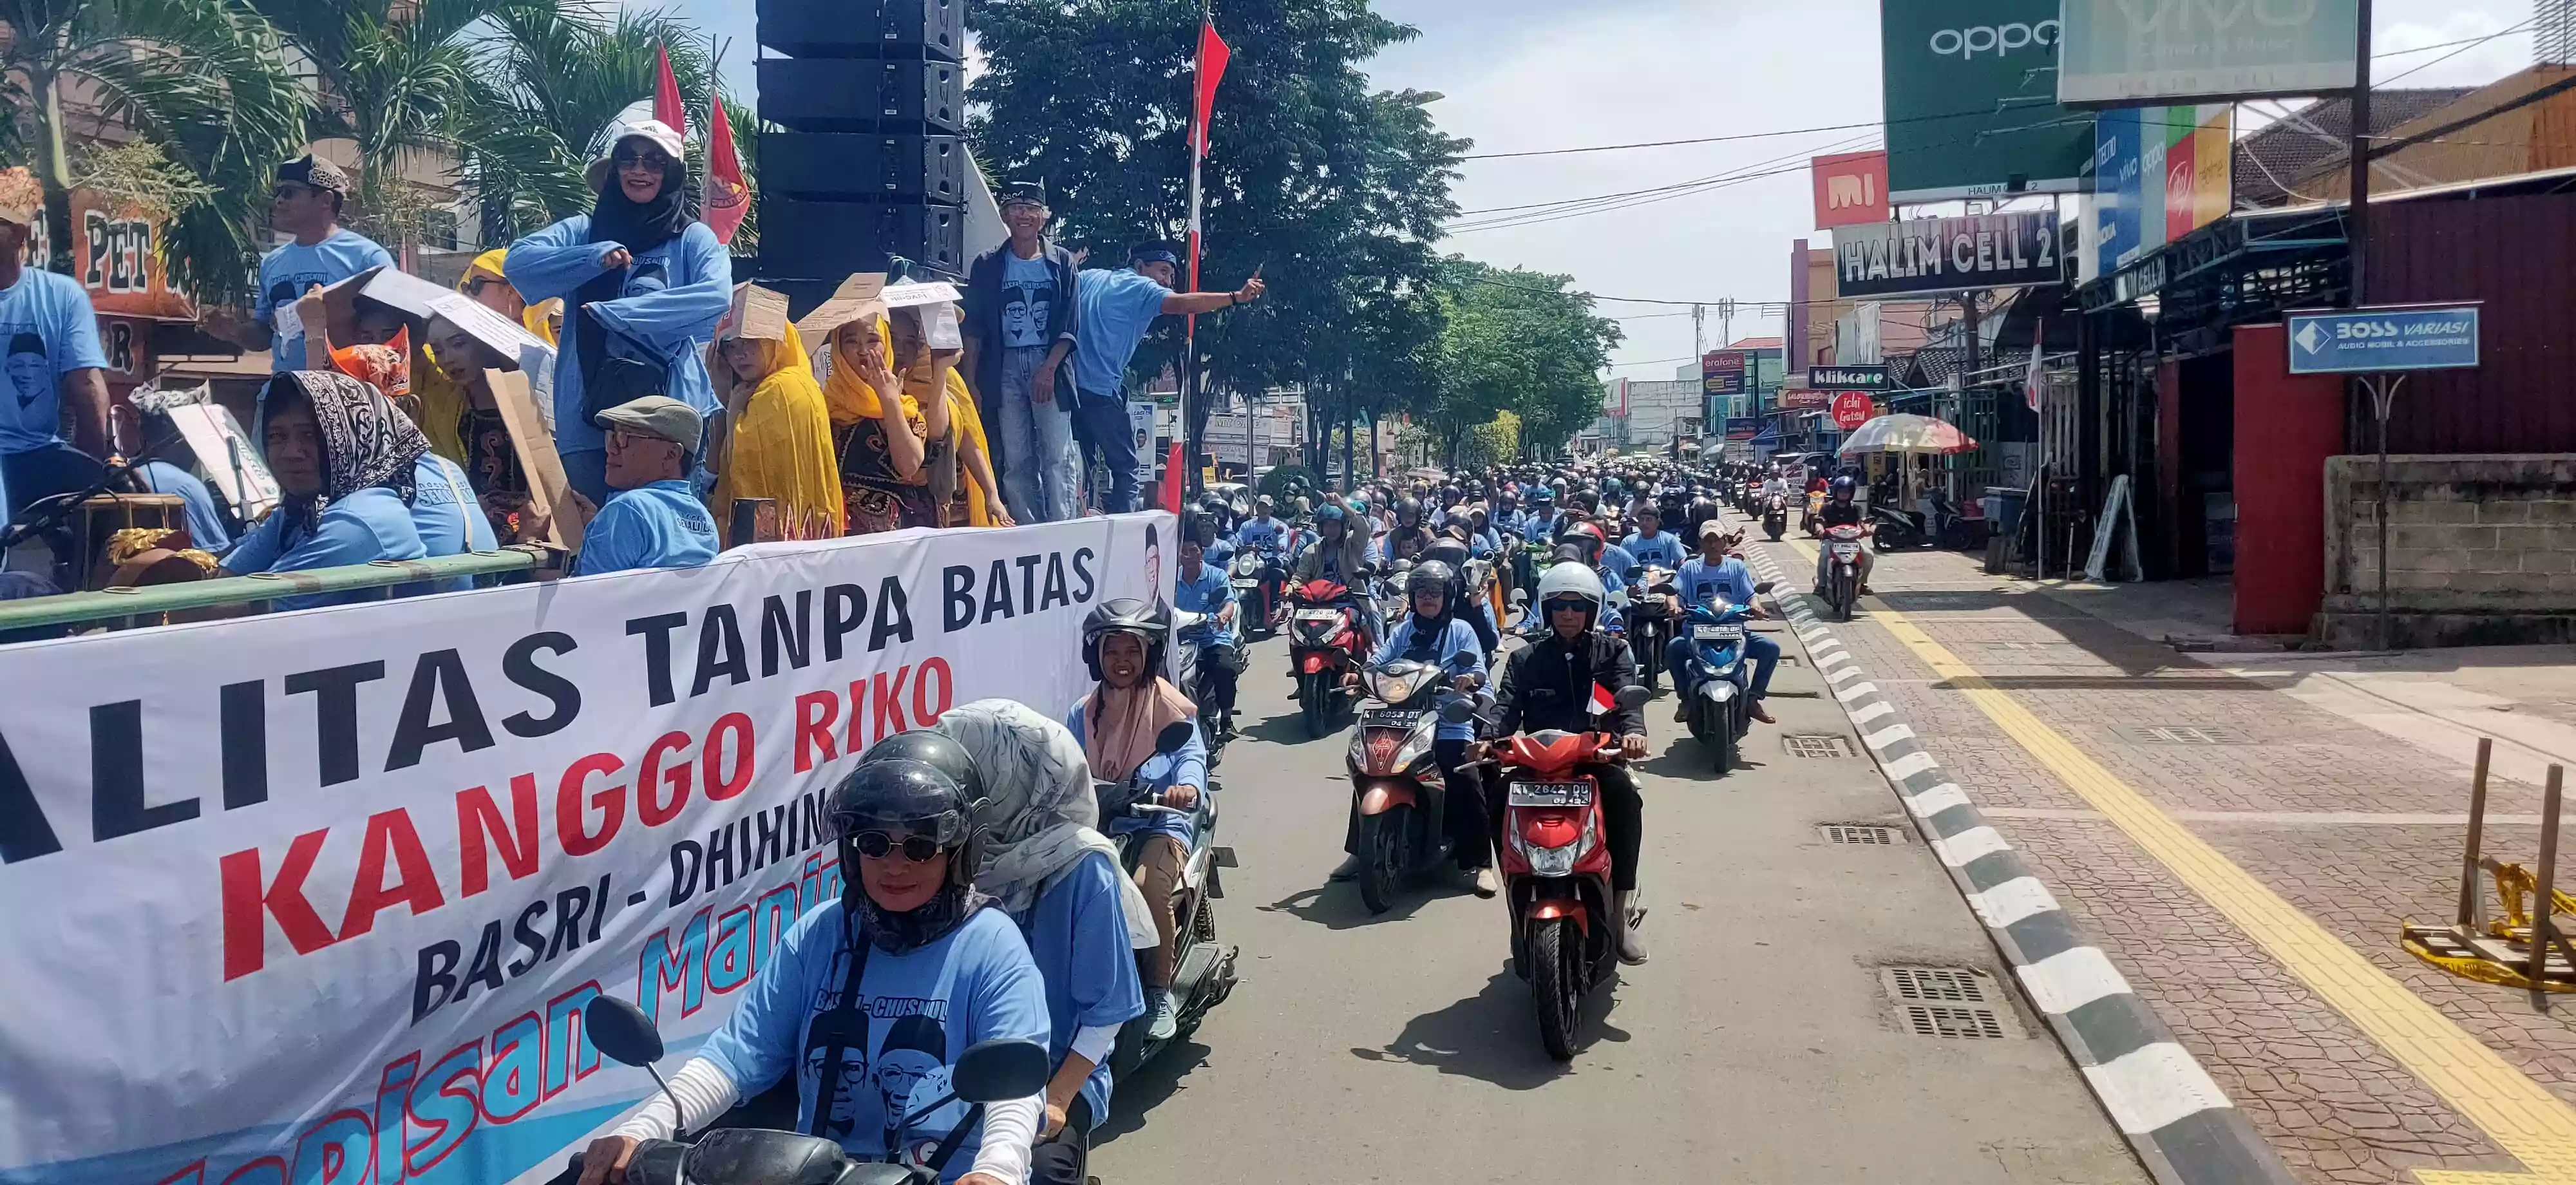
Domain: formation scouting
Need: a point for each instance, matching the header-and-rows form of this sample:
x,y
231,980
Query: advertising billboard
x,y
2164,172
1947,254
1971,99
1722,372
1850,187
1848,378
2115,53
116,256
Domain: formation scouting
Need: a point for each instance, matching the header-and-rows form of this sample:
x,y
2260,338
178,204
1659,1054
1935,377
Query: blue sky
x,y
1540,74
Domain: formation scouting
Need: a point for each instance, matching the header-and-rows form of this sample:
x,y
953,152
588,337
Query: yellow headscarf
x,y
779,445
853,400
538,317
442,401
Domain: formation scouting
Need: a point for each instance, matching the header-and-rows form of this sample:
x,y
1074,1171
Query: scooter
x,y
1815,507
1650,624
1894,529
988,1072
1398,795
1324,644
1555,864
1203,975
1720,709
1842,569
1258,577
1194,682
1775,517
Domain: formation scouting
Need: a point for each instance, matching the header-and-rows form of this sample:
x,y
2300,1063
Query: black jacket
x,y
1549,685
983,319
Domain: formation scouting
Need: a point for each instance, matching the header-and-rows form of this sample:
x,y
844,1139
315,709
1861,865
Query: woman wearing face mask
x,y
778,438
870,998
1048,866
345,463
644,283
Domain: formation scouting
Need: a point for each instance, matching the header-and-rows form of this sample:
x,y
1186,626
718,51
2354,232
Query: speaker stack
x,y
869,165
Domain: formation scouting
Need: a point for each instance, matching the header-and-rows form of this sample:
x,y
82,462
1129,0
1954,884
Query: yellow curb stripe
x,y
2518,1114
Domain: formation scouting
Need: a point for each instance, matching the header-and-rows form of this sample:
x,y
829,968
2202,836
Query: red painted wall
x,y
2285,429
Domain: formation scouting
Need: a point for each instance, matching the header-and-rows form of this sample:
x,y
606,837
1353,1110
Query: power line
x,y
2464,47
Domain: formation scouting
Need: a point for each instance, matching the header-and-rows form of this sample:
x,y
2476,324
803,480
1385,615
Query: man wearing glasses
x,y
305,205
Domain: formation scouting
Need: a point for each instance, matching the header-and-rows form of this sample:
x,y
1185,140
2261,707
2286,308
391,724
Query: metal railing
x,y
154,600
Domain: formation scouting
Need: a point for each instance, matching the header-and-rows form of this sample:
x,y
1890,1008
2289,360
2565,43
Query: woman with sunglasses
x,y
644,283
870,998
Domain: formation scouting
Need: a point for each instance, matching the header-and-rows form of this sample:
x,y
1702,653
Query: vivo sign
x,y
2117,53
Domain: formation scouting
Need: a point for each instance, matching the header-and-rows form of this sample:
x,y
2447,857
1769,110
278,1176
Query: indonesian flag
x,y
1602,702
666,93
2031,382
728,199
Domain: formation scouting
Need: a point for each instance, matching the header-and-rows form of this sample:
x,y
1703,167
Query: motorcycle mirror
x,y
622,1031
1632,696
1520,597
1172,739
1457,711
1763,587
1000,1070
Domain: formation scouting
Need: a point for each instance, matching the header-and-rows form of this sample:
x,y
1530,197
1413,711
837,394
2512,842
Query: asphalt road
x,y
1758,1045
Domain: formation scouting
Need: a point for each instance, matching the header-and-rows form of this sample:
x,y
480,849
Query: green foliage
x,y
1497,442
1516,343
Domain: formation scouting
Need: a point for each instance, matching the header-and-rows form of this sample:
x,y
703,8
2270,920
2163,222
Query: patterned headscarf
x,y
365,441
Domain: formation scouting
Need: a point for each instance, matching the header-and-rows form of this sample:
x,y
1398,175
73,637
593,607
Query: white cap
x,y
653,131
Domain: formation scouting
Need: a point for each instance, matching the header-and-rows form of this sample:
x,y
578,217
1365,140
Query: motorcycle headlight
x,y
1559,860
1415,746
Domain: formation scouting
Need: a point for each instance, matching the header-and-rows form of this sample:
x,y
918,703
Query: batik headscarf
x,y
1039,815
365,441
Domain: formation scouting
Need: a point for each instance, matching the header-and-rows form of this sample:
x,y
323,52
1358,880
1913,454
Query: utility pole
x,y
2357,219
1699,327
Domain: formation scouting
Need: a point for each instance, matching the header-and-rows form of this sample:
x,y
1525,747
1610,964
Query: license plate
x,y
1549,794
1247,584
1317,616
1390,717
1717,633
1847,551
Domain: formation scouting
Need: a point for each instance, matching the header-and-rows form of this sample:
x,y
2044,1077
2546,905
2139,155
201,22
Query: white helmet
x,y
1568,578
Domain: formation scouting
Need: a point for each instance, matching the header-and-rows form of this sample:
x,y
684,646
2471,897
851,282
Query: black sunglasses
x,y
652,160
1565,605
876,844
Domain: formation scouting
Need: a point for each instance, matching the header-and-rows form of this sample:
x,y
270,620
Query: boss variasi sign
x,y
1947,254
2123,52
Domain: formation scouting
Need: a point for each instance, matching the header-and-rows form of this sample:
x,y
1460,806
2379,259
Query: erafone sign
x,y
1947,254
1971,100
2125,52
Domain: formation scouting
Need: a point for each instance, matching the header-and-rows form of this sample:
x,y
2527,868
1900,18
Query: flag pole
x,y
1190,327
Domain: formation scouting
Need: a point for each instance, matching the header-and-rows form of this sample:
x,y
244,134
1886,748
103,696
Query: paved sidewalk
x,y
2335,785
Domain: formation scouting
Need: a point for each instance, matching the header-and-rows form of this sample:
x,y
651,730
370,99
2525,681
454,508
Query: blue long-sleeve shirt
x,y
1455,651
672,322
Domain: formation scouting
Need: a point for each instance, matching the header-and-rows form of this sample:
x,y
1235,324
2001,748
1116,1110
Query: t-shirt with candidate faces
x,y
287,272
47,330
1028,299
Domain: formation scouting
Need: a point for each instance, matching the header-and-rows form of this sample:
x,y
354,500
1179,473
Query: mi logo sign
x,y
1850,188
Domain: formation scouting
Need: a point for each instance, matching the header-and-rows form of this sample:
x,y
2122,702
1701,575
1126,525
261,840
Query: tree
x,y
1517,341
203,80
1334,191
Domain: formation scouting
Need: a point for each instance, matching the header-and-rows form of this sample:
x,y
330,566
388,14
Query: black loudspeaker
x,y
862,94
864,28
810,238
858,166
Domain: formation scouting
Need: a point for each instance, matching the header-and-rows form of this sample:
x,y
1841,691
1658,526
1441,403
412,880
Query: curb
x,y
2181,1125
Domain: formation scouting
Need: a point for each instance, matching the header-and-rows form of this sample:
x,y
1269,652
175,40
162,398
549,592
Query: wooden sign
x,y
547,485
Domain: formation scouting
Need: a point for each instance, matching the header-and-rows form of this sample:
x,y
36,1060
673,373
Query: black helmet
x,y
1430,574
887,791
1845,485
1408,510
938,751
1446,551
1129,616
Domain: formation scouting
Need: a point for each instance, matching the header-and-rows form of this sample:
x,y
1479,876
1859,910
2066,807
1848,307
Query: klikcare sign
x,y
1947,254
1970,94
2122,52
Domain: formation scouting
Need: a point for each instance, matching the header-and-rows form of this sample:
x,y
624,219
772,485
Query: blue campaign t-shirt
x,y
205,521
1664,550
285,274
1264,533
1698,578
1615,560
1078,935
1207,594
450,521
915,1013
1117,307
47,330
371,524
661,525
1028,300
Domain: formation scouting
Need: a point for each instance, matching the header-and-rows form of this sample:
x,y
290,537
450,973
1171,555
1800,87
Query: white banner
x,y
316,898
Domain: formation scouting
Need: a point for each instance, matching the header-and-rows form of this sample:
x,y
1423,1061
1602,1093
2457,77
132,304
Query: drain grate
x,y
1952,1002
2183,734
1864,834
1817,746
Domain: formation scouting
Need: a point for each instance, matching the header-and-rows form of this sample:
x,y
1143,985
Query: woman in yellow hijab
x,y
778,438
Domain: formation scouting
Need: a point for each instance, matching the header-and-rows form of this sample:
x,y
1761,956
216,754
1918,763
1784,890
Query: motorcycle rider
x,y
1464,602
1539,525
906,957
1261,531
1715,571
1434,633
1341,555
1841,511
1650,543
1123,642
1210,648
1406,539
1552,684
1047,865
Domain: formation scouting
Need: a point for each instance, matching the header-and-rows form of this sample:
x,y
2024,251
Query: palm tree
x,y
204,80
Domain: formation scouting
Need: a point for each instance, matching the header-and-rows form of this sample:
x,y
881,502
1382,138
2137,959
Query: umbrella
x,y
1906,434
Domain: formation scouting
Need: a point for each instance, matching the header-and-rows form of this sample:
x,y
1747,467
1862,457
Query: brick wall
x,y
2482,547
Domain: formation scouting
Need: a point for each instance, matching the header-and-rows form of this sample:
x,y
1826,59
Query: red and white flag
x,y
2031,382
1603,703
666,94
728,199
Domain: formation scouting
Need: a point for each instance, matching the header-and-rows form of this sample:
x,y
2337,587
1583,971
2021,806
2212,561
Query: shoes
x,y
1632,949
1755,710
1487,883
1867,591
1348,869
1166,1020
1681,709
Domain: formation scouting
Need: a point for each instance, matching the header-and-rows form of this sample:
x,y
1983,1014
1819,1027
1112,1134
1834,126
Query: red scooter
x,y
1324,644
1555,862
